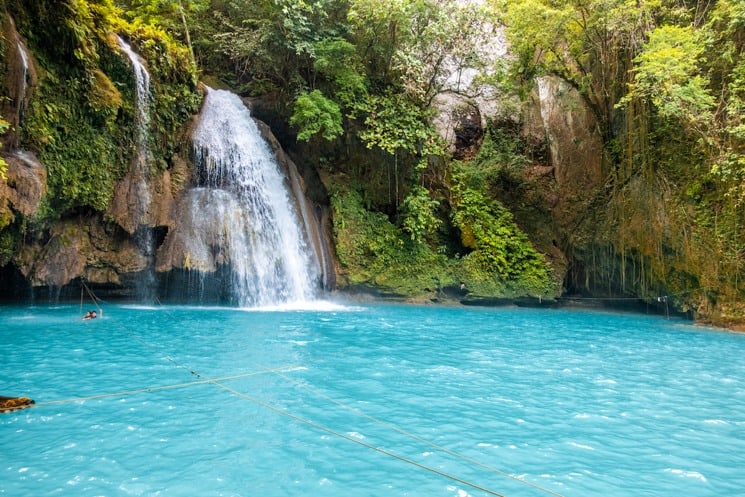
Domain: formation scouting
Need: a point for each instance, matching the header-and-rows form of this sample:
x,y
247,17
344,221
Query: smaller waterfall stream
x,y
23,79
142,105
243,189
20,79
139,200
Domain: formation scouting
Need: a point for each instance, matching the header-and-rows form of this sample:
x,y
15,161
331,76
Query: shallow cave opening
x,y
15,286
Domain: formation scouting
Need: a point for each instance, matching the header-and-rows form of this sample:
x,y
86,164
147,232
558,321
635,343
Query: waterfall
x,y
23,79
138,196
259,229
20,78
142,104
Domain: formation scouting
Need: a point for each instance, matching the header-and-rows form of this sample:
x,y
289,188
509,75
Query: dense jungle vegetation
x,y
353,87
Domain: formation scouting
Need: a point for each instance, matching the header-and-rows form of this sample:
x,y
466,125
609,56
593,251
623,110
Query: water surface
x,y
369,401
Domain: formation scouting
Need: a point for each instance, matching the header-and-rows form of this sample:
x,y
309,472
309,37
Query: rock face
x,y
130,207
464,103
140,201
573,136
199,239
81,248
25,186
556,114
555,123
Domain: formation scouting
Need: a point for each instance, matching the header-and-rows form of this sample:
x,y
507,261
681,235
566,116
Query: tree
x,y
314,114
667,74
590,44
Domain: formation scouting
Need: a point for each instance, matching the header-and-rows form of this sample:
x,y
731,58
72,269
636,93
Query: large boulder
x,y
573,135
465,101
199,239
142,200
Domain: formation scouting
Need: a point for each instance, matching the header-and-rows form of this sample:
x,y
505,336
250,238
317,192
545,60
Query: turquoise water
x,y
376,400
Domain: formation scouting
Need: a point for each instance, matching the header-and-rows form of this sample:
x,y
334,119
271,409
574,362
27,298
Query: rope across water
x,y
279,371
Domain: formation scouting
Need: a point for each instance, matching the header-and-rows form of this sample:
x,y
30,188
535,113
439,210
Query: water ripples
x,y
376,401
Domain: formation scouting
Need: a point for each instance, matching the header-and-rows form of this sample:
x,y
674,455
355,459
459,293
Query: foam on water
x,y
309,305
383,400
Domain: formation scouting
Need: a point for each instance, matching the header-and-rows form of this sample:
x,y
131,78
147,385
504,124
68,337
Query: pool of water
x,y
369,400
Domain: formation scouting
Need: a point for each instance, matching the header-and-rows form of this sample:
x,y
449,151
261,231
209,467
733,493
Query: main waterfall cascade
x,y
241,216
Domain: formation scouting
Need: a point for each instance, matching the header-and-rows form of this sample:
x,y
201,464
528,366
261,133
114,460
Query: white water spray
x,y
268,255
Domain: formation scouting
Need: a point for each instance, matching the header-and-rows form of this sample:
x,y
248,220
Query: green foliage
x,y
315,114
336,60
667,74
499,163
377,28
726,32
419,212
500,250
159,32
68,30
368,246
82,117
103,97
587,43
373,251
7,246
83,161
414,46
395,125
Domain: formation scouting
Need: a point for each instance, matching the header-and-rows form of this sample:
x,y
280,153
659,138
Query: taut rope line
x,y
217,383
161,387
157,350
358,442
90,294
395,428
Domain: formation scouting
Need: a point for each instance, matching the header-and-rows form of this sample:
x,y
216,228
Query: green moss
x,y
103,97
7,246
374,251
83,158
81,120
502,257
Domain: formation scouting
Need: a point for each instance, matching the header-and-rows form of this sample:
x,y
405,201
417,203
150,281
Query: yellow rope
x,y
217,382
359,442
418,438
161,387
